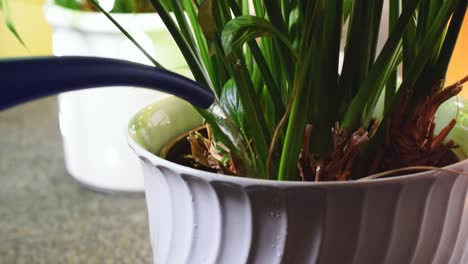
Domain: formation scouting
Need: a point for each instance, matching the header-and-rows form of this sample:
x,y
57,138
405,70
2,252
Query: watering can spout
x,y
32,78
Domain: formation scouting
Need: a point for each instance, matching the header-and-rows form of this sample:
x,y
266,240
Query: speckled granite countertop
x,y
48,217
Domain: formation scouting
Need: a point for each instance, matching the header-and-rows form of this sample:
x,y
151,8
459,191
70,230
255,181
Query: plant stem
x,y
189,55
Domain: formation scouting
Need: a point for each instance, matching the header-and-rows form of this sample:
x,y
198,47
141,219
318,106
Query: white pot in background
x,y
202,217
95,153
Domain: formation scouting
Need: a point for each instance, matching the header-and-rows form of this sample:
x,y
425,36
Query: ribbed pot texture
x,y
201,217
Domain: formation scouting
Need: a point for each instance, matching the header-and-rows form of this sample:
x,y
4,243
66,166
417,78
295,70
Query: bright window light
x,y
107,4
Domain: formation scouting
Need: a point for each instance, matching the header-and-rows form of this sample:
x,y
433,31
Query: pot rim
x,y
215,177
89,21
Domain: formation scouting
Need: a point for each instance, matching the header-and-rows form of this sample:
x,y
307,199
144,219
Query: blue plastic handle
x,y
22,80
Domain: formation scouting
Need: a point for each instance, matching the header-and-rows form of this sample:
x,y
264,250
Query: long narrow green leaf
x,y
286,11
347,5
273,10
423,18
375,29
298,97
128,35
390,87
450,39
325,109
124,6
242,29
71,4
305,78
324,83
192,60
435,6
427,47
259,8
225,10
263,67
219,17
414,74
5,8
191,9
245,7
179,12
410,42
378,76
256,126
359,49
296,124
274,14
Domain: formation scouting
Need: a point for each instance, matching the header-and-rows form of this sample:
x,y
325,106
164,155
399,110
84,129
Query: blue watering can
x,y
23,80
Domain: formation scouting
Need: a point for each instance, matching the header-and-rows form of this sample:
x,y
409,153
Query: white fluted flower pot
x,y
94,154
202,217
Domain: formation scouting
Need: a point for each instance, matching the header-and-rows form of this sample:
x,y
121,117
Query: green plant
x,y
274,66
5,9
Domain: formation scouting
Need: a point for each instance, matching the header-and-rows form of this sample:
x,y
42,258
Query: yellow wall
x,y
458,67
30,23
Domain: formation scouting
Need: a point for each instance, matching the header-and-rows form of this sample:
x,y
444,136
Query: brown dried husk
x,y
209,153
409,140
337,166
409,135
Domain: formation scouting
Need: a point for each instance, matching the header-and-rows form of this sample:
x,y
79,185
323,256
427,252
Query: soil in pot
x,y
179,151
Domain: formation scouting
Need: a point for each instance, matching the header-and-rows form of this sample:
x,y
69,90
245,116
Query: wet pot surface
x,y
202,217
